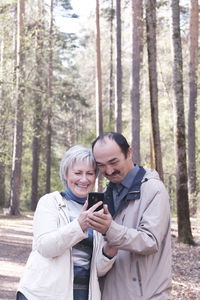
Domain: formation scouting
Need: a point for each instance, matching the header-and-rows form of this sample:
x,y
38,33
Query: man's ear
x,y
130,153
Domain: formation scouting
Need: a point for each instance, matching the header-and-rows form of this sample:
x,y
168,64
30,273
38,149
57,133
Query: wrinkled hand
x,y
100,220
83,217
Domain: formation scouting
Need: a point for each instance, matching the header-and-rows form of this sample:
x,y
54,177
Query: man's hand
x,y
100,220
83,217
109,250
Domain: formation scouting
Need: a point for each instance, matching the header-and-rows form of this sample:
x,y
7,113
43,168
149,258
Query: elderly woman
x,y
63,263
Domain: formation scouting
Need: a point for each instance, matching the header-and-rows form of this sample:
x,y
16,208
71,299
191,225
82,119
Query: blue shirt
x,y
121,189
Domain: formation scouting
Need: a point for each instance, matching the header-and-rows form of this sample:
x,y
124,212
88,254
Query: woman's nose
x,y
84,177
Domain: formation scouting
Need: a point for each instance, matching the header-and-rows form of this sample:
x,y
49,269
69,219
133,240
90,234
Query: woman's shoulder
x,y
52,198
51,195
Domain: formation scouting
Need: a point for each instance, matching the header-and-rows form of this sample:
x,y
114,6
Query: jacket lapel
x,y
132,194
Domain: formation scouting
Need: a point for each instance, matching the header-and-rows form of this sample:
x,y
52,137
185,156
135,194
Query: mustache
x,y
114,173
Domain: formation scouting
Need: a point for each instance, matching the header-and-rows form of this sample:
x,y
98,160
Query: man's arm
x,y
149,234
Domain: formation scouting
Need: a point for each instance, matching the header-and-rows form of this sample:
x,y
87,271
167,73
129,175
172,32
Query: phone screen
x,y
95,197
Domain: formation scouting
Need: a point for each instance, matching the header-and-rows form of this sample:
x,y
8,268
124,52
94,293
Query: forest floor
x,y
15,246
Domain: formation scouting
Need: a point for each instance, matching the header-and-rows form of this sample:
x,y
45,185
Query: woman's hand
x,y
83,218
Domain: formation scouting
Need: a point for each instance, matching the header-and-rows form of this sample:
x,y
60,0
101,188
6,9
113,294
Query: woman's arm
x,y
50,239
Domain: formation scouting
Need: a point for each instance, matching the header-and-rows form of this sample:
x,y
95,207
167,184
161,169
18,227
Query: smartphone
x,y
95,197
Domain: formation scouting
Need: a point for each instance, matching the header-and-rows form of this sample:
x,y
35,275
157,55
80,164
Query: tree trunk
x,y
99,117
49,103
184,228
118,97
193,67
137,49
19,117
152,60
151,152
4,115
111,66
37,122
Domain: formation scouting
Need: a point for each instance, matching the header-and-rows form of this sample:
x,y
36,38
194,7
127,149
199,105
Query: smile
x,y
82,186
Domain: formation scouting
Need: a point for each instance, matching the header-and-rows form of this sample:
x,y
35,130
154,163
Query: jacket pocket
x,y
137,280
37,267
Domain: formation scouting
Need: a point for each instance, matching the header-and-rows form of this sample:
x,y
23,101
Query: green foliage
x,y
73,101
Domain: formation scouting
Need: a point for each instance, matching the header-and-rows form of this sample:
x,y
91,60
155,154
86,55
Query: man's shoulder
x,y
151,174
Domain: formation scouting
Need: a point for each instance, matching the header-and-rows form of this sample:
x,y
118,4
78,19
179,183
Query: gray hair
x,y
74,154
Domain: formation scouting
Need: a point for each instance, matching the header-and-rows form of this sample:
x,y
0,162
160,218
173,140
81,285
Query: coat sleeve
x,y
153,224
101,262
50,239
104,264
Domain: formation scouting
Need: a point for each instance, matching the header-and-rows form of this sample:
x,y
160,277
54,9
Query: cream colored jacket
x,y
48,273
141,232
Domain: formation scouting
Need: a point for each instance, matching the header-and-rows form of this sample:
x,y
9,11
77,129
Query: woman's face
x,y
81,178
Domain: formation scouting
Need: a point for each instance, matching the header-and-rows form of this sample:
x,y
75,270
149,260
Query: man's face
x,y
111,160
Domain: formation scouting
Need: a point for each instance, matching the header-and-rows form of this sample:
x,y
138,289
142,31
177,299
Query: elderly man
x,y
136,221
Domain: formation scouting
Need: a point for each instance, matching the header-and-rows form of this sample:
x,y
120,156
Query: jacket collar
x,y
133,193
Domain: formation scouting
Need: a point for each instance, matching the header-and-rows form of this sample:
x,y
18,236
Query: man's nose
x,y
109,170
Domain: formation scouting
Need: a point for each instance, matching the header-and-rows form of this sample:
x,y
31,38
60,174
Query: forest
x,y
132,68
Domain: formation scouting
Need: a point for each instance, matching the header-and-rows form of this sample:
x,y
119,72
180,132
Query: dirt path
x,y
15,246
